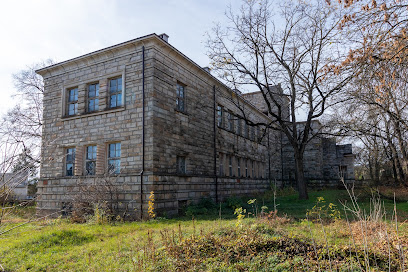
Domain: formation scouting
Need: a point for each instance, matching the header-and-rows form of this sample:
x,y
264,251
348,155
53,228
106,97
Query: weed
x,y
322,211
240,213
150,209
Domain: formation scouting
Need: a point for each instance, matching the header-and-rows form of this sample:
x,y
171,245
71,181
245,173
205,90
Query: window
x,y
72,101
114,158
115,92
253,133
90,162
181,165
93,97
253,169
70,161
230,124
221,165
230,165
238,167
258,134
246,128
246,168
180,100
239,126
220,110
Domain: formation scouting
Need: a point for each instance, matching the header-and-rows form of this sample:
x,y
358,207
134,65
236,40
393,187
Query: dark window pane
x,y
119,100
69,170
90,168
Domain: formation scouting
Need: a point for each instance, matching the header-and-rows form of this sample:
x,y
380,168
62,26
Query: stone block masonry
x,y
157,122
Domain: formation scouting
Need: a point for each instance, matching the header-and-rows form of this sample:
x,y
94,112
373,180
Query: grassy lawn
x,y
282,242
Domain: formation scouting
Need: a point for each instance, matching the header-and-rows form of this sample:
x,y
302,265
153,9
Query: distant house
x,y
15,184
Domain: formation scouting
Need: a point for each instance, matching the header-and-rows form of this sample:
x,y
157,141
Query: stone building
x,y
326,163
143,117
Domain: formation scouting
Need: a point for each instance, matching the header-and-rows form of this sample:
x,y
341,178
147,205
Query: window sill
x,y
182,112
88,114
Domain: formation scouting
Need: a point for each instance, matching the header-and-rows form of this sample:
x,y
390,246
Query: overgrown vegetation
x,y
214,239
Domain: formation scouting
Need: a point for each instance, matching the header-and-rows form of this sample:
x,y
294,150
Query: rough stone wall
x,y
322,161
122,124
168,132
258,100
238,163
191,134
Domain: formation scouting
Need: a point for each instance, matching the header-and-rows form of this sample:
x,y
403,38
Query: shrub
x,y
204,206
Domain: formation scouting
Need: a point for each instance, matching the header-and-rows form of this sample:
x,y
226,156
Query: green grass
x,y
283,243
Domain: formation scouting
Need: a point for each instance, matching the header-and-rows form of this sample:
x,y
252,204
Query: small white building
x,y
16,185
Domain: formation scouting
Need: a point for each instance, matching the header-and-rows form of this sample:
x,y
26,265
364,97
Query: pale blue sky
x,y
32,31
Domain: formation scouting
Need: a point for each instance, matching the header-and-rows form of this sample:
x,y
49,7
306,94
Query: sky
x,y
33,31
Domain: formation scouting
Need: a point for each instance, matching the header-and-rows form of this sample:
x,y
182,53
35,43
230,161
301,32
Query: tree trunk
x,y
300,176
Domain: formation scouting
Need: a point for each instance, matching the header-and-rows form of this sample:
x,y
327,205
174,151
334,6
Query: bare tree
x,y
22,125
299,47
376,114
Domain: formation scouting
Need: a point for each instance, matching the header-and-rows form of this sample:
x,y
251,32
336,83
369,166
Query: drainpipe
x,y
269,156
281,153
143,132
215,147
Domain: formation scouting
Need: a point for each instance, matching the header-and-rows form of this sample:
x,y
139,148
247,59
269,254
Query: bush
x,y
204,206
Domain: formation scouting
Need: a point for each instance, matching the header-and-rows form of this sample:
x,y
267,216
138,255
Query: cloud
x,y
37,30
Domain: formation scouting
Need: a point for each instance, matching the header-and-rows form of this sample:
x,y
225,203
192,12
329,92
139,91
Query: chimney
x,y
164,37
207,69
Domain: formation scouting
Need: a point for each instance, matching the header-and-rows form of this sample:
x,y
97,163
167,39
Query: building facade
x,y
142,117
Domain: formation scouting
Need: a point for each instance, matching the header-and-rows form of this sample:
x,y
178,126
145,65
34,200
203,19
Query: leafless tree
x,y
298,47
376,114
22,125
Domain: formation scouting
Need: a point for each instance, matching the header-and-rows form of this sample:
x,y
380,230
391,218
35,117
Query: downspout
x,y
281,153
269,157
143,132
215,147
